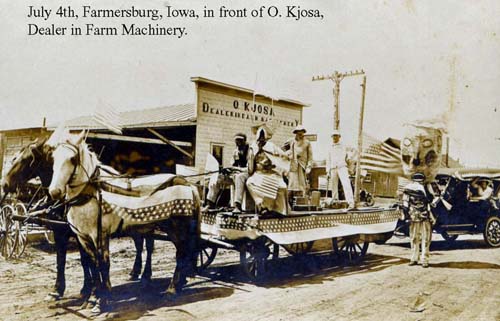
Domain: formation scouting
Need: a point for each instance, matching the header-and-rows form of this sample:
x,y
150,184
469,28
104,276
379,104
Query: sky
x,y
423,59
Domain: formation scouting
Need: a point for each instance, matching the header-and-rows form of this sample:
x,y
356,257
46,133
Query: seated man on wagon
x,y
266,165
238,177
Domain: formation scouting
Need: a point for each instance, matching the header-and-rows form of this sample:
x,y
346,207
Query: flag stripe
x,y
382,169
390,150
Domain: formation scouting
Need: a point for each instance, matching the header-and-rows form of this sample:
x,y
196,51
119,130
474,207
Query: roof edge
x,y
246,90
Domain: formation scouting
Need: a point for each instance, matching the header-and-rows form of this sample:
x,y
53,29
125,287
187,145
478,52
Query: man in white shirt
x,y
336,167
483,189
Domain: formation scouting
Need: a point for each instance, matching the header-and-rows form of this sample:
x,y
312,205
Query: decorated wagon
x,y
348,232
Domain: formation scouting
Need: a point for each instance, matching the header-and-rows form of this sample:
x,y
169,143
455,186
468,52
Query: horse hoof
x,y
93,299
85,293
96,309
145,280
53,296
84,305
170,295
133,277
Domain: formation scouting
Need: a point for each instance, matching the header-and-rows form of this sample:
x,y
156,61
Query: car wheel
x,y
370,201
492,231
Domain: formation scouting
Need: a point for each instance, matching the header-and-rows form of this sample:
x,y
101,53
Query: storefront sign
x,y
249,111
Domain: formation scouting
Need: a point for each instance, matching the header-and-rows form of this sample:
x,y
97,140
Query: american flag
x,y
267,186
380,157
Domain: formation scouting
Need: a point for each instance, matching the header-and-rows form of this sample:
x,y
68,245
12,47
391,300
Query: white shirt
x,y
336,157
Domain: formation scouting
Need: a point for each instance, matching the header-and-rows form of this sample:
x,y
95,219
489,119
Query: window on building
x,y
217,150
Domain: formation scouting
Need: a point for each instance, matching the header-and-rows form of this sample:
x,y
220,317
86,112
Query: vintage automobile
x,y
466,202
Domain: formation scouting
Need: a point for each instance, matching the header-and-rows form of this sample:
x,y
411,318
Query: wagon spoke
x,y
201,258
351,249
253,259
8,234
205,257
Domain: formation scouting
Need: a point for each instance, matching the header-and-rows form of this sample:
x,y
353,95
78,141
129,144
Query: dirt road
x,y
462,283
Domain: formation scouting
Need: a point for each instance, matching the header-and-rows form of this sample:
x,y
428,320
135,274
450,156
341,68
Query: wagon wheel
x,y
370,201
205,257
22,231
299,248
448,238
350,248
8,233
253,259
492,231
274,249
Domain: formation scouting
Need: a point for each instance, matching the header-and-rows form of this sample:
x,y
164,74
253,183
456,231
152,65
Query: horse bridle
x,y
33,164
76,161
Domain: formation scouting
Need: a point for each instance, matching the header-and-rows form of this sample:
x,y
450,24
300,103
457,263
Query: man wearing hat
x,y
266,165
301,158
239,165
483,189
336,167
416,205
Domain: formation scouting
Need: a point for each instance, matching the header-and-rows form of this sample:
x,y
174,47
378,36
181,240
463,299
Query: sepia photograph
x,y
250,160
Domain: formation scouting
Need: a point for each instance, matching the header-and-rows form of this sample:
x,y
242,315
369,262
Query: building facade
x,y
223,110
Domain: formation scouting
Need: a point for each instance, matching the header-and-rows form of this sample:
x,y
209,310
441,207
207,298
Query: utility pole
x,y
360,143
337,77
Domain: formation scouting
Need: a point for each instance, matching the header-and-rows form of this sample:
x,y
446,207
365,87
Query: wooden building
x,y
11,141
155,140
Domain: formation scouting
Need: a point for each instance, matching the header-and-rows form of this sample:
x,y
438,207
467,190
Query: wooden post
x,y
447,151
336,95
360,143
168,141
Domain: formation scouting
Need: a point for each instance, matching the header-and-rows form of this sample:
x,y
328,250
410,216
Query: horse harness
x,y
83,198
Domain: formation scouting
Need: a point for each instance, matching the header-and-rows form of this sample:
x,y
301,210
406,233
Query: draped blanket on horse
x,y
147,199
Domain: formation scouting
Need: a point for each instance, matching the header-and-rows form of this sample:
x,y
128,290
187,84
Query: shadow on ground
x,y
442,245
469,265
292,271
133,300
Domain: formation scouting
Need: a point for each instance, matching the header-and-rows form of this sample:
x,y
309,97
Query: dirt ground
x,y
462,283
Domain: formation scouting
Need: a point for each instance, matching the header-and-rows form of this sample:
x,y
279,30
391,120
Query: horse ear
x,y
80,138
47,149
58,136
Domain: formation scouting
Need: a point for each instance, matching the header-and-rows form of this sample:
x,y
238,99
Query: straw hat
x,y
263,127
299,128
240,136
